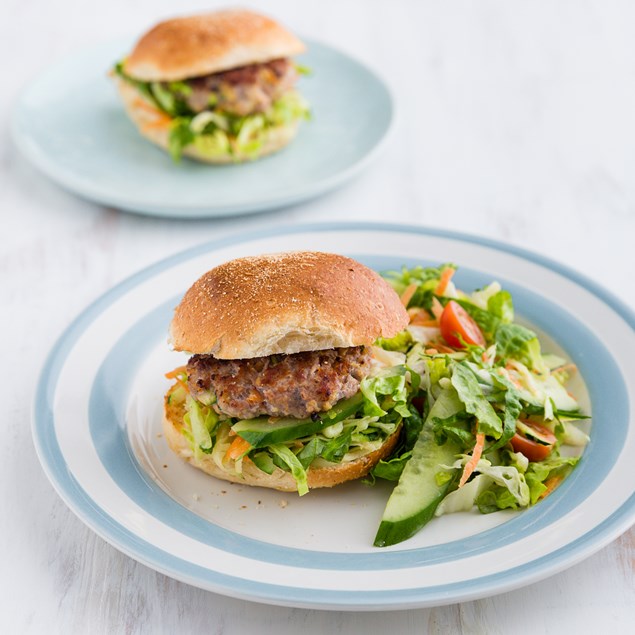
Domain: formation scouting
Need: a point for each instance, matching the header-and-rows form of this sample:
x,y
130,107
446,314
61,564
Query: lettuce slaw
x,y
214,133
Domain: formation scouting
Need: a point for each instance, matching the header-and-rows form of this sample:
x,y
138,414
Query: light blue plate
x,y
71,124
97,430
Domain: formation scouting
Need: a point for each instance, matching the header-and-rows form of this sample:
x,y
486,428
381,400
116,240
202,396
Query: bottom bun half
x,y
154,125
330,476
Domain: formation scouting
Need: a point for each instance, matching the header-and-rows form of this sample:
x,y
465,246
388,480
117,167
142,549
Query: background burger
x,y
284,388
218,87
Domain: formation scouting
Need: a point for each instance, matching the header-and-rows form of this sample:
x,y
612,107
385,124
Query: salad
x,y
478,415
493,426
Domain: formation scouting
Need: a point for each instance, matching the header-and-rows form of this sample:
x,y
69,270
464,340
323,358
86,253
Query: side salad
x,y
497,428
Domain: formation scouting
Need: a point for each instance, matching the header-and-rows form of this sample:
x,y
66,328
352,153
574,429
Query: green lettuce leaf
x,y
401,342
471,395
179,137
391,469
538,472
310,452
455,428
390,387
438,368
514,340
293,464
502,306
512,409
263,461
337,447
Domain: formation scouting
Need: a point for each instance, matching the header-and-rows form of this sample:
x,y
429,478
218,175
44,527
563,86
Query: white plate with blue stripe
x,y
97,430
70,123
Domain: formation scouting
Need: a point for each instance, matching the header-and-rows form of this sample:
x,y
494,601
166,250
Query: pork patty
x,y
295,385
242,91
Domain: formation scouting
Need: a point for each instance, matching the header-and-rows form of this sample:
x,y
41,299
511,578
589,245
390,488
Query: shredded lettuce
x,y
164,97
179,137
263,461
392,468
505,476
202,422
288,108
180,88
538,473
213,132
426,279
214,144
462,499
400,342
501,305
292,462
389,386
481,297
514,340
511,409
301,69
471,394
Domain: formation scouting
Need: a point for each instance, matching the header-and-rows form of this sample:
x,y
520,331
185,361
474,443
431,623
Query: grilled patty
x,y
295,385
242,91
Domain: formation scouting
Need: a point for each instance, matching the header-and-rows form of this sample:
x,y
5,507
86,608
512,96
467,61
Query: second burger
x,y
218,88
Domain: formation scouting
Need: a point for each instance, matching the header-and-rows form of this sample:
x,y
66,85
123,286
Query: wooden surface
x,y
516,121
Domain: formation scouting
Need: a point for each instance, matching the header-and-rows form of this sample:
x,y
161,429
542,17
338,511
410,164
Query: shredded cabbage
x,y
506,476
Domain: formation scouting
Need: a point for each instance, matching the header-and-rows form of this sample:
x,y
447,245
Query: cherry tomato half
x,y
533,450
457,324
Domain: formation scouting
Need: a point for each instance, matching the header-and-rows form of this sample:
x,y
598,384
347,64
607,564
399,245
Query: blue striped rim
x,y
607,396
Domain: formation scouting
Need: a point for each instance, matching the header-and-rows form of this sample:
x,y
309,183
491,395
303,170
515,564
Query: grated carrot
x,y
144,105
442,348
423,322
177,371
505,373
550,484
409,291
174,374
415,311
237,448
446,276
160,120
437,308
474,459
159,123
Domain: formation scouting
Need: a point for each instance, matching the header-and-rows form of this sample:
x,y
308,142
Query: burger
x,y
218,87
283,387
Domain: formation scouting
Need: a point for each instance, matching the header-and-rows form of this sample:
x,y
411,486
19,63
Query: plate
x,y
71,125
97,430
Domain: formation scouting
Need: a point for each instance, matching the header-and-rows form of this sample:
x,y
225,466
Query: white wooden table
x,y
515,121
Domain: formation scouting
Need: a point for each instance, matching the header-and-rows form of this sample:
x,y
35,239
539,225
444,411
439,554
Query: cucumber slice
x,y
533,434
415,498
263,431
